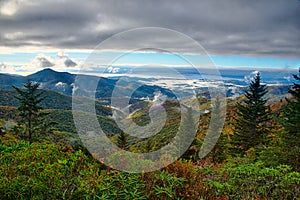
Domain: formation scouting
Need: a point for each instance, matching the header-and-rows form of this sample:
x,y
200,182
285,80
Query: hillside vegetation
x,y
54,164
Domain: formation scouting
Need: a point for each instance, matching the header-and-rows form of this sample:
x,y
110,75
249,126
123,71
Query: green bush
x,y
47,171
246,181
50,171
41,170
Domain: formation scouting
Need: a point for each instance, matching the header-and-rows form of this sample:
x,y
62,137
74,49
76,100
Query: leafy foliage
x,y
255,180
45,171
41,170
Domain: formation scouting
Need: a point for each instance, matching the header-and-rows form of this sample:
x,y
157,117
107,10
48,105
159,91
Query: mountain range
x,y
63,82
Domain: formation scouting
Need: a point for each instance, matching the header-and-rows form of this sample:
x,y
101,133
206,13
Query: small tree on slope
x,y
30,115
122,141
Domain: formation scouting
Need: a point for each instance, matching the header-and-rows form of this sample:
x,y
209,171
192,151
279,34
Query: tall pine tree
x,y
292,110
291,136
251,124
30,115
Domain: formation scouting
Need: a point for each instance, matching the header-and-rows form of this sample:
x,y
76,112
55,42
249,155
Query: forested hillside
x,y
256,155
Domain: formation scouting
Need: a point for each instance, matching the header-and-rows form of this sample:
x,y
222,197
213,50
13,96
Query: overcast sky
x,y
257,28
230,27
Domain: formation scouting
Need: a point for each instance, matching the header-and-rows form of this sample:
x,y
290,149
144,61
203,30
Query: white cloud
x,y
113,70
60,63
288,78
61,86
255,72
10,7
5,68
250,77
14,35
41,61
63,60
159,98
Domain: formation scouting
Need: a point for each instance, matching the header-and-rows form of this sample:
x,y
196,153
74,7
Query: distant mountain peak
x,y
46,70
49,78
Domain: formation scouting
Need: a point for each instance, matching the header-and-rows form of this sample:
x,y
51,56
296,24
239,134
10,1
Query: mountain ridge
x,y
63,82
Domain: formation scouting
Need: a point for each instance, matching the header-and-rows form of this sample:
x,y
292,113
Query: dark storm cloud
x,y
229,27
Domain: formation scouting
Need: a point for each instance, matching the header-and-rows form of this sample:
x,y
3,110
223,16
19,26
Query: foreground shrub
x,y
256,181
41,170
49,171
46,171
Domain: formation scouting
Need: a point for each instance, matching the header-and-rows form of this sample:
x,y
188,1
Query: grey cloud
x,y
67,62
43,62
229,27
70,63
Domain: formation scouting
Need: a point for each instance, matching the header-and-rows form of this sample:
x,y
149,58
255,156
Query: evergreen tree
x,y
30,116
292,110
291,136
122,141
251,124
148,147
